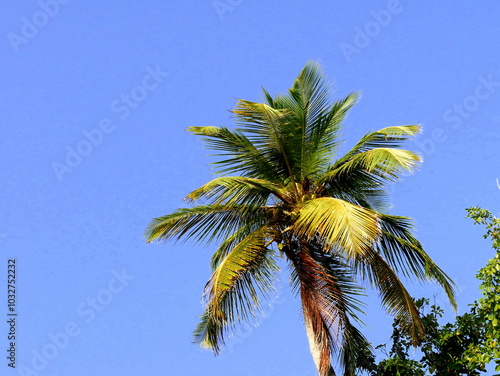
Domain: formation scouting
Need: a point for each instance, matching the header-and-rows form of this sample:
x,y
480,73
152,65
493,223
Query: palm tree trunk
x,y
315,347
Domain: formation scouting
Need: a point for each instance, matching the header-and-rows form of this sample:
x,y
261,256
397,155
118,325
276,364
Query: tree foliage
x,y
487,307
463,347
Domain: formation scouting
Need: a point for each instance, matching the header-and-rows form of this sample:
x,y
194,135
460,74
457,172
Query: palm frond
x,y
238,190
273,133
354,347
350,228
204,222
406,255
372,267
359,187
385,163
360,176
322,137
231,241
239,154
317,122
389,137
308,102
232,293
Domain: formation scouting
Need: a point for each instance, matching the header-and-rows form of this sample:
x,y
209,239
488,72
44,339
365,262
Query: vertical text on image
x,y
12,314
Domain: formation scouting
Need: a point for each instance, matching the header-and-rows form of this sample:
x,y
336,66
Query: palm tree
x,y
280,193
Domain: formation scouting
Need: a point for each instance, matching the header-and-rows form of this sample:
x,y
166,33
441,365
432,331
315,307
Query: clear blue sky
x,y
95,100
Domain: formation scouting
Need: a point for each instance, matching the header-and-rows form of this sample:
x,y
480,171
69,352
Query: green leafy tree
x,y
442,349
463,347
281,193
487,307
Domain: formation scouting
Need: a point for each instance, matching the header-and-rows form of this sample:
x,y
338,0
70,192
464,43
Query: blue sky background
x,y
67,69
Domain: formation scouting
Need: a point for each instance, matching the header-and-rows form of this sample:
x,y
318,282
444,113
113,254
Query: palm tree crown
x,y
281,193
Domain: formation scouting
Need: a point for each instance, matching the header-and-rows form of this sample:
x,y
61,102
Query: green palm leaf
x,y
322,138
203,223
395,298
238,190
391,137
232,293
385,163
350,228
240,155
406,255
230,242
274,134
